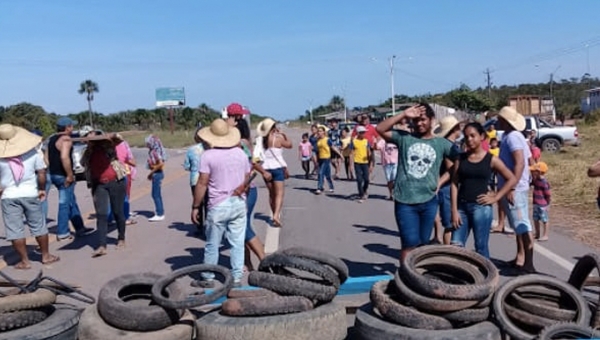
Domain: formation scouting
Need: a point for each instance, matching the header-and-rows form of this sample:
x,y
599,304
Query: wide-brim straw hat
x,y
220,135
16,141
446,125
265,126
513,118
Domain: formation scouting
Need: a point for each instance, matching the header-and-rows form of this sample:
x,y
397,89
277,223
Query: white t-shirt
x,y
512,142
27,187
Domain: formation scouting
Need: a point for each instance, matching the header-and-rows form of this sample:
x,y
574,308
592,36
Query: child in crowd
x,y
361,153
305,154
494,149
389,161
324,150
541,199
346,151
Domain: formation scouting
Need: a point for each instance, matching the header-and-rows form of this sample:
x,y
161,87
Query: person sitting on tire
x,y
225,172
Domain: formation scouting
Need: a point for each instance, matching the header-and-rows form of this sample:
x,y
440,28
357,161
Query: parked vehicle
x,y
549,138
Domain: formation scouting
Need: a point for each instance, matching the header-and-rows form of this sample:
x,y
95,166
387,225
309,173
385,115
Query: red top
x,y
371,134
100,169
485,145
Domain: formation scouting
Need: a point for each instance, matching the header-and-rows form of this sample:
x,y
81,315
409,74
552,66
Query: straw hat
x,y
265,127
15,141
446,125
220,135
514,118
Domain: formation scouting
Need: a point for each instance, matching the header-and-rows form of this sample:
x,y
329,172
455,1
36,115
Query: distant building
x,y
591,101
526,104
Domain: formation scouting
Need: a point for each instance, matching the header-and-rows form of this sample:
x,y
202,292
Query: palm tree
x,y
89,87
336,103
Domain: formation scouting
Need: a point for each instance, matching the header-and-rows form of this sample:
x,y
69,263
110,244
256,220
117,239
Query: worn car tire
x,y
39,298
327,321
403,315
568,330
22,318
249,293
277,260
92,327
579,275
443,290
61,324
115,308
312,254
528,319
583,312
286,285
434,305
191,301
370,326
266,305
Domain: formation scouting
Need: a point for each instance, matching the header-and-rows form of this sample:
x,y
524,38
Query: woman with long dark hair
x,y
471,196
274,141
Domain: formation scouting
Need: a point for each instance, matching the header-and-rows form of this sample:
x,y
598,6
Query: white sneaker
x,y
156,218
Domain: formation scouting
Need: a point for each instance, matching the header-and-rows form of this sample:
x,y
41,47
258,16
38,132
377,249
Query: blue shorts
x,y
540,213
518,214
277,174
415,222
445,207
390,171
13,210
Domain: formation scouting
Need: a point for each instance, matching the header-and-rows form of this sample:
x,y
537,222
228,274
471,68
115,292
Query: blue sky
x,y
277,57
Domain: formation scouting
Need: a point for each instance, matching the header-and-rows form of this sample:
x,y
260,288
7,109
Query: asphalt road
x,y
364,235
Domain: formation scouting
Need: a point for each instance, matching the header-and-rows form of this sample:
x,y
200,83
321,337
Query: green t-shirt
x,y
419,162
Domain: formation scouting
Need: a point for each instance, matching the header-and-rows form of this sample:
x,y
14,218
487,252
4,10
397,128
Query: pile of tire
x,y
294,302
126,309
439,292
526,305
37,316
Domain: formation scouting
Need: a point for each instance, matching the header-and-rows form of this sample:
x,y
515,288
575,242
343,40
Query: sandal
x,y
22,266
98,253
130,222
53,259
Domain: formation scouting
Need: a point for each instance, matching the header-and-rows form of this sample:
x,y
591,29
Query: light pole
x,y
552,93
392,85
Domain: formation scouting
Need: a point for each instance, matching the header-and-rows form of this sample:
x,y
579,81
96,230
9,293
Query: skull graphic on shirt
x,y
420,159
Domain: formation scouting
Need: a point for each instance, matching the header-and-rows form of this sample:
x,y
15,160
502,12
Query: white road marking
x,y
547,253
272,240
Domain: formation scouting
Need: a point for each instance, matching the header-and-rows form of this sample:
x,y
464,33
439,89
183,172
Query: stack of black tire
x,y
298,286
126,309
439,292
37,316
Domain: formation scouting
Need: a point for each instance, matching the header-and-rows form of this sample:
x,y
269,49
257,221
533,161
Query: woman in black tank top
x,y
471,197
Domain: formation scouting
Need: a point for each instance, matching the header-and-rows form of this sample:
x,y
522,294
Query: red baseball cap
x,y
235,109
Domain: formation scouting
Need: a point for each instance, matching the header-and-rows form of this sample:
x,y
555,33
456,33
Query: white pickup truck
x,y
549,138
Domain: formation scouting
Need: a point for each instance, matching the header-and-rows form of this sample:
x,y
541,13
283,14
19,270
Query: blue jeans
x,y
415,222
68,210
445,206
250,203
157,179
227,218
478,218
518,213
362,178
47,189
324,173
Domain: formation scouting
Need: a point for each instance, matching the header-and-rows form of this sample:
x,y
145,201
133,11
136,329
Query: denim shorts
x,y
445,206
13,210
390,171
518,213
415,222
277,174
540,213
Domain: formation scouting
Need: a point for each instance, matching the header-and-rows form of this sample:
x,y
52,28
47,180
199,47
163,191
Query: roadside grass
x,y
178,139
573,206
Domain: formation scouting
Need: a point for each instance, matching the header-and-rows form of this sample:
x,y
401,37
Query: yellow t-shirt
x,y
324,148
361,154
495,151
346,146
491,134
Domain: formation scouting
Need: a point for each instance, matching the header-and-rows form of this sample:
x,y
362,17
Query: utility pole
x,y
489,82
392,85
552,93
